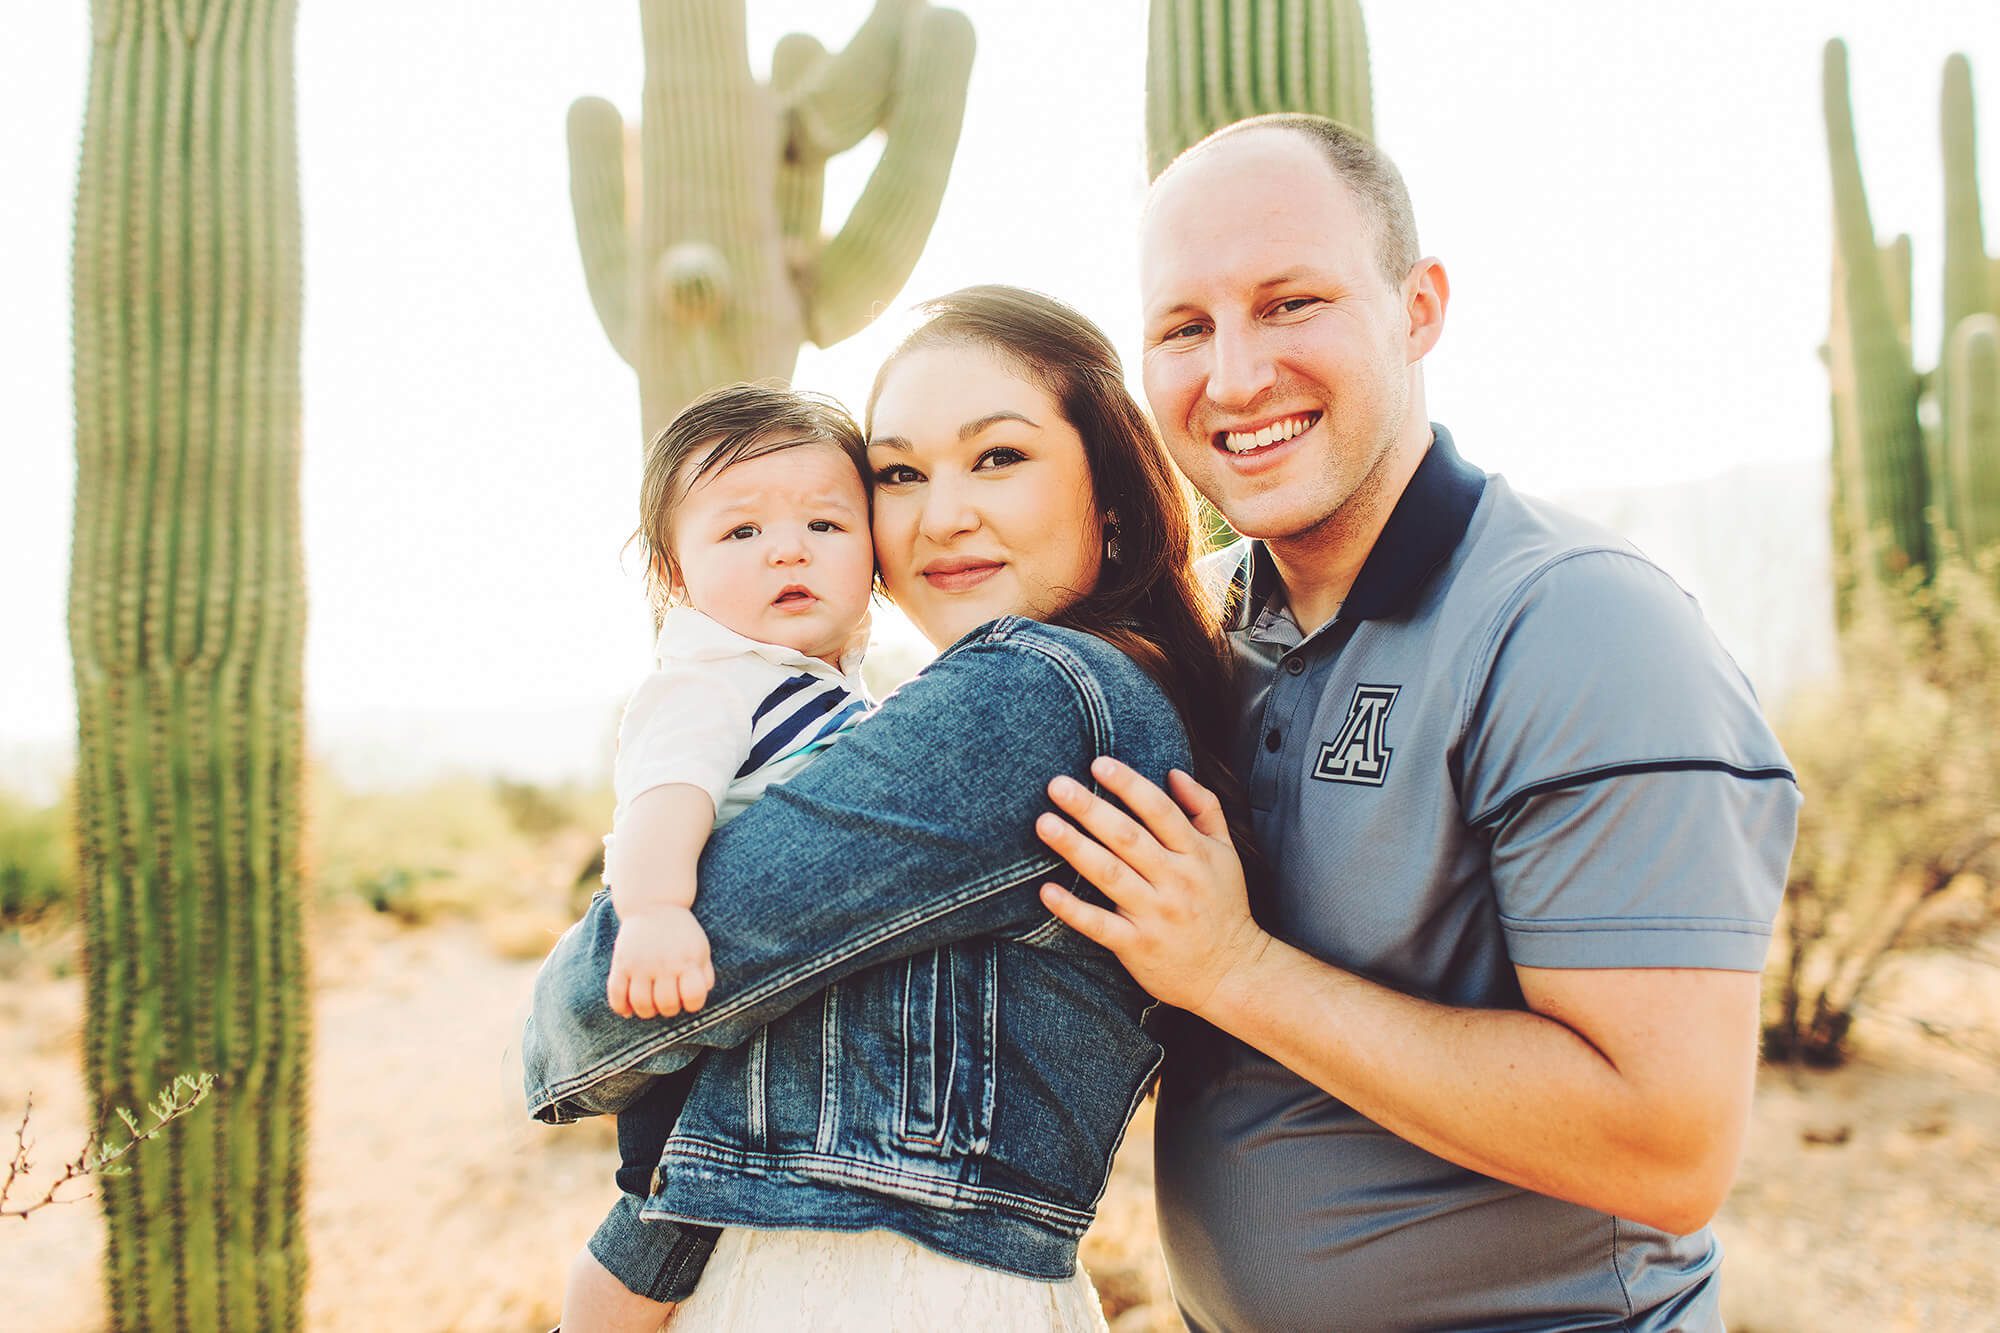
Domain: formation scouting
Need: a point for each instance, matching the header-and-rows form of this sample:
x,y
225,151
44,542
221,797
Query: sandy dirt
x,y
1870,1198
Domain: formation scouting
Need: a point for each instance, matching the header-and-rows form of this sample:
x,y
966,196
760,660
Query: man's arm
x,y
1626,1090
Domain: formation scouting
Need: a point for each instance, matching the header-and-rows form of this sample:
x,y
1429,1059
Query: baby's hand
x,y
659,964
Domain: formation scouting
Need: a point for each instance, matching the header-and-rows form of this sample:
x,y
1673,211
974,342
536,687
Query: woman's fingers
x,y
1162,817
1109,871
1109,929
1201,804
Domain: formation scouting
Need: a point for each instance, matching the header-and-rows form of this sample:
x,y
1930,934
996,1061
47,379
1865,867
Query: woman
x,y
917,1078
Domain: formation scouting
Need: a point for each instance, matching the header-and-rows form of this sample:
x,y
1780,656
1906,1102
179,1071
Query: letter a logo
x,y
1360,753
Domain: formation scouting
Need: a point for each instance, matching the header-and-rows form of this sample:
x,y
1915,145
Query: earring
x,y
1111,536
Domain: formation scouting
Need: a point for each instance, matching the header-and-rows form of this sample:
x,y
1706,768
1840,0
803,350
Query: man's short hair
x,y
1359,164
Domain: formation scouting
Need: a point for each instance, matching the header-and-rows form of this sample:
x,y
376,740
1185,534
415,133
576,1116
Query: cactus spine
x,y
1913,454
703,250
1212,62
186,617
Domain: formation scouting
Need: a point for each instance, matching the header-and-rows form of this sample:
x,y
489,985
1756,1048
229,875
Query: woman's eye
x,y
741,534
1002,457
895,474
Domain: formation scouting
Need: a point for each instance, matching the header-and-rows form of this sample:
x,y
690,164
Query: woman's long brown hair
x,y
1149,602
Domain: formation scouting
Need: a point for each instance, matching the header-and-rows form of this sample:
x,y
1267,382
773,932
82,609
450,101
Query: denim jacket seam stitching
x,y
720,1154
623,1060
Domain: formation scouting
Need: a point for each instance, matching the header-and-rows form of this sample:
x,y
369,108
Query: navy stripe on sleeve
x,y
1514,800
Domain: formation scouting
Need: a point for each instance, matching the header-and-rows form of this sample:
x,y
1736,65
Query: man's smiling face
x,y
1278,355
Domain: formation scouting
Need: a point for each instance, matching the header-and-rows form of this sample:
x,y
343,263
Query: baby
x,y
754,520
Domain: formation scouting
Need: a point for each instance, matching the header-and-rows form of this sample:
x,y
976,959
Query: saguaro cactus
x,y
1913,453
186,621
703,250
1212,62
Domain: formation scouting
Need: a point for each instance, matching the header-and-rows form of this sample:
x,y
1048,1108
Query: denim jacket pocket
x,y
950,999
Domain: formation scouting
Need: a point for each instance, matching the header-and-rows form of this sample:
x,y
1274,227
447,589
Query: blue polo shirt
x,y
1517,744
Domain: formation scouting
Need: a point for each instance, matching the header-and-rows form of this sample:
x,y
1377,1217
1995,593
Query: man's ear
x,y
1426,292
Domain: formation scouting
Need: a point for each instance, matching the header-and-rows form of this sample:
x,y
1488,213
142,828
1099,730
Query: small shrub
x,y
1899,762
37,859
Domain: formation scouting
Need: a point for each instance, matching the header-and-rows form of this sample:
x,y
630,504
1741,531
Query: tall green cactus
x,y
1913,453
718,269
1212,62
186,617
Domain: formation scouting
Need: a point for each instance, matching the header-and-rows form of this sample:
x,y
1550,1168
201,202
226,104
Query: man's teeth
x,y
1237,442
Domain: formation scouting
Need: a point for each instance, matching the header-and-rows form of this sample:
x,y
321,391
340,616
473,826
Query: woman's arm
x,y
915,831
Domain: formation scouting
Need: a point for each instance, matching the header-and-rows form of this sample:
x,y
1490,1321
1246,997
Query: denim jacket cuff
x,y
661,1261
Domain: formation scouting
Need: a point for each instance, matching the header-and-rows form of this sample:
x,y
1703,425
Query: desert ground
x,y
1869,1198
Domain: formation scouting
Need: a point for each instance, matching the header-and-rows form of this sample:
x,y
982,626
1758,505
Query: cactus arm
x,y
864,266
603,231
848,94
1894,488
1972,446
1965,263
801,168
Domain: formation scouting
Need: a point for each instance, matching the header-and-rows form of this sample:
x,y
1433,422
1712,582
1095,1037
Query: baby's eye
x,y
1000,457
825,525
742,533
896,474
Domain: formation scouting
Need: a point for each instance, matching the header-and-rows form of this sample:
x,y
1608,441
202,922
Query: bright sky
x,y
1631,202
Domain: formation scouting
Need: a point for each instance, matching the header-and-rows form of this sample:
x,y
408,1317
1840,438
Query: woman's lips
x,y
961,578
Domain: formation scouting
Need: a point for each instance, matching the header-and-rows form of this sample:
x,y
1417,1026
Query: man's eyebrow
x,y
1289,275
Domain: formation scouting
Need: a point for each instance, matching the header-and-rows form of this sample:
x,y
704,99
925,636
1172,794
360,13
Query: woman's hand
x,y
1182,923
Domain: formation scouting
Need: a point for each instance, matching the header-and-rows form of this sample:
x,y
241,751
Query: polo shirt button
x,y
1271,740
1295,665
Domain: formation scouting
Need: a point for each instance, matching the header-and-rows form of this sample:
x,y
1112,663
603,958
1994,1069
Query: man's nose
x,y
1240,367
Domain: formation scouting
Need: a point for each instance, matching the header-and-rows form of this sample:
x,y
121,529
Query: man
x,y
1483,1056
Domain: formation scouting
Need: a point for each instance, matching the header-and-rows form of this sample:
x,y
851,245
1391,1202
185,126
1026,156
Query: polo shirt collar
x,y
1426,526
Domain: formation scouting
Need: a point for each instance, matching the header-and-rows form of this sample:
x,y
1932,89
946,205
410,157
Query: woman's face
x,y
983,501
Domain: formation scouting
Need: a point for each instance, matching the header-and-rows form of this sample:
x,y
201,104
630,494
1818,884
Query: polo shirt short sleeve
x,y
1639,809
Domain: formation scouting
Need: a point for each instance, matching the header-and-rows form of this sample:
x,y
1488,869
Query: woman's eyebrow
x,y
965,432
972,428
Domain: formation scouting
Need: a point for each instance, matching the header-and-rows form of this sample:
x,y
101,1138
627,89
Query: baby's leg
x,y
627,1279
597,1302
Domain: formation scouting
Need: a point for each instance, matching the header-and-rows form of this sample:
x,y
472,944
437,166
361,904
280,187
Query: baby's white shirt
x,y
729,714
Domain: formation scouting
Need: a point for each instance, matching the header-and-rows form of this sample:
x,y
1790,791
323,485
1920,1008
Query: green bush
x,y
1899,761
37,859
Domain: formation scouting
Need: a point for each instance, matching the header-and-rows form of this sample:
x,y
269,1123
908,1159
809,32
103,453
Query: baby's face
x,y
777,548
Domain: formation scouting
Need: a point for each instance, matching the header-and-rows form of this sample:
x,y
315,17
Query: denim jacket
x,y
901,1034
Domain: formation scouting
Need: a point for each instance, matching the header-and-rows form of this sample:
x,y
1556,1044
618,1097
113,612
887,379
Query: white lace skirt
x,y
871,1282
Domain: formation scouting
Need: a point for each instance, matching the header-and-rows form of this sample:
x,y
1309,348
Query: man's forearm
x,y
1513,1094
